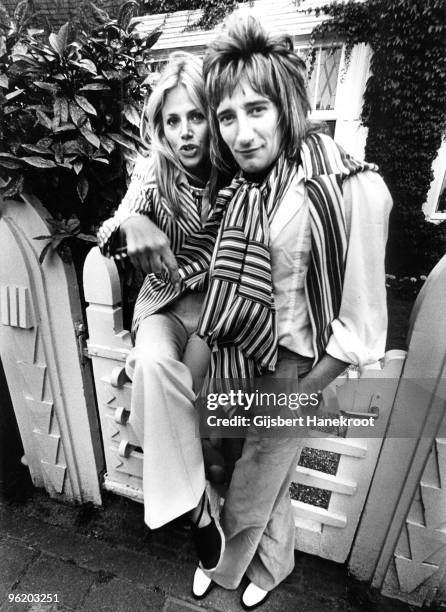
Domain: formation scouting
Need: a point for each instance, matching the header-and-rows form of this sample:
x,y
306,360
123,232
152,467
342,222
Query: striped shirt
x,y
142,198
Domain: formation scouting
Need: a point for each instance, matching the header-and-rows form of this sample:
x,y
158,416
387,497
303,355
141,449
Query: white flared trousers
x,y
163,365
257,517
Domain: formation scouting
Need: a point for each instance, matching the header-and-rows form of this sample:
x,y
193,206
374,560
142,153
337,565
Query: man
x,y
297,283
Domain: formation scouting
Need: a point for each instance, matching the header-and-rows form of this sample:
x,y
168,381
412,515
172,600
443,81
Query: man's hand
x,y
148,248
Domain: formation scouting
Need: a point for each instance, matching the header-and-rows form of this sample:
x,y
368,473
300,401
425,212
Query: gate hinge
x,y
81,336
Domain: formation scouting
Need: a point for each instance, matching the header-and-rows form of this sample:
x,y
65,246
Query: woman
x,y
307,225
165,211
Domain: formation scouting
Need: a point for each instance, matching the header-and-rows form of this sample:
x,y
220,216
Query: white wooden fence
x,y
387,511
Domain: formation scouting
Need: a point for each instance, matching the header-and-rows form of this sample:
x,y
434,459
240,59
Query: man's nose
x,y
245,133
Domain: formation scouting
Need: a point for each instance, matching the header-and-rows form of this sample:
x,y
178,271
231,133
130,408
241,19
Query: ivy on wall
x,y
403,109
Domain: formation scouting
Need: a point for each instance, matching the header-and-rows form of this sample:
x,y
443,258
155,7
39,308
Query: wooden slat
x,y
314,513
352,448
321,480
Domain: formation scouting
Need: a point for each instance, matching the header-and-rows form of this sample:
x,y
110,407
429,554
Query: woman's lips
x,y
189,150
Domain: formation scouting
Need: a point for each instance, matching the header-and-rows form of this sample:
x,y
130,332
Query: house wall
x,y
60,11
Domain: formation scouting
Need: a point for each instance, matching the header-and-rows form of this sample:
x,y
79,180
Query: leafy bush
x,y
403,109
70,106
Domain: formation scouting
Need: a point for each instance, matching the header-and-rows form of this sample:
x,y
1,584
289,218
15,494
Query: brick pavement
x,y
105,559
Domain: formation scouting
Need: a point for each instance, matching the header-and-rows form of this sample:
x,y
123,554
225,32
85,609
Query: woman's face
x,y
185,128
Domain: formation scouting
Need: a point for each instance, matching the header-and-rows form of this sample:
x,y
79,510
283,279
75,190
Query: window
x,y
323,84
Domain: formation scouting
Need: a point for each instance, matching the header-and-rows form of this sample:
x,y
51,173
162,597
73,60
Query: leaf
x,y
63,110
122,141
14,94
44,252
7,156
78,165
107,144
87,237
152,38
14,187
85,105
92,138
77,114
72,224
88,65
58,152
4,81
103,160
56,113
82,188
131,114
59,41
111,75
66,127
47,86
9,164
36,149
71,147
45,142
39,162
62,35
44,119
95,87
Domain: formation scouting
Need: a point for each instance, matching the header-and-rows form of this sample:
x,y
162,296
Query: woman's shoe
x,y
253,597
201,585
209,540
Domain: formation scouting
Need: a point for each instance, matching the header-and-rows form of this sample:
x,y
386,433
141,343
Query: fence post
x,y
418,414
51,390
108,346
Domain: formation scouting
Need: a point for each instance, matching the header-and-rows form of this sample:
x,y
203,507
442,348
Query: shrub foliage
x,y
403,109
70,104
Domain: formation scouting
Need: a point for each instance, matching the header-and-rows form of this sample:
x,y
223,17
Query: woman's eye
x,y
172,121
197,117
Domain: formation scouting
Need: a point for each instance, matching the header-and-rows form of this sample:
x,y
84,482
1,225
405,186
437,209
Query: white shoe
x,y
201,585
253,596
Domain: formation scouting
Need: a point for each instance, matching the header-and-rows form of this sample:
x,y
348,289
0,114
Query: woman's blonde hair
x,y
183,69
244,50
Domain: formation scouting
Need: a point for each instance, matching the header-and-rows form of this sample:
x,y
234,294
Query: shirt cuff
x,y
348,347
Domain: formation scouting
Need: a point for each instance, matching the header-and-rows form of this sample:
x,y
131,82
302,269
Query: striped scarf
x,y
239,309
238,318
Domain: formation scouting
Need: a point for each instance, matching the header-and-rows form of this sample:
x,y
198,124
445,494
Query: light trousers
x,y
163,365
257,517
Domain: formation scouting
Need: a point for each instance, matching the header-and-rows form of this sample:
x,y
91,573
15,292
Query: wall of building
x,y
60,11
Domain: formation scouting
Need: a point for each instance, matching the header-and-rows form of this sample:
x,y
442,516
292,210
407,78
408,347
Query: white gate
x,y
51,391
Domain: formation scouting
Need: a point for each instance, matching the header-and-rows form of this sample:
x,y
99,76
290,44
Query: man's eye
x,y
257,110
225,119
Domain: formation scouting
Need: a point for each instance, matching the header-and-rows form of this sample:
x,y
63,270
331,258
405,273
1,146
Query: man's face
x,y
249,125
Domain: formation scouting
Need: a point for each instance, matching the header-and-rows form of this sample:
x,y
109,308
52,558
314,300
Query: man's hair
x,y
183,69
245,51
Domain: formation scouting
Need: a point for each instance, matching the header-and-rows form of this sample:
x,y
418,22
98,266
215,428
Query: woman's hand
x,y
148,247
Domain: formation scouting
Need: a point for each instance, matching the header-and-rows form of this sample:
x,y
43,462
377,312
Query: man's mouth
x,y
247,152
